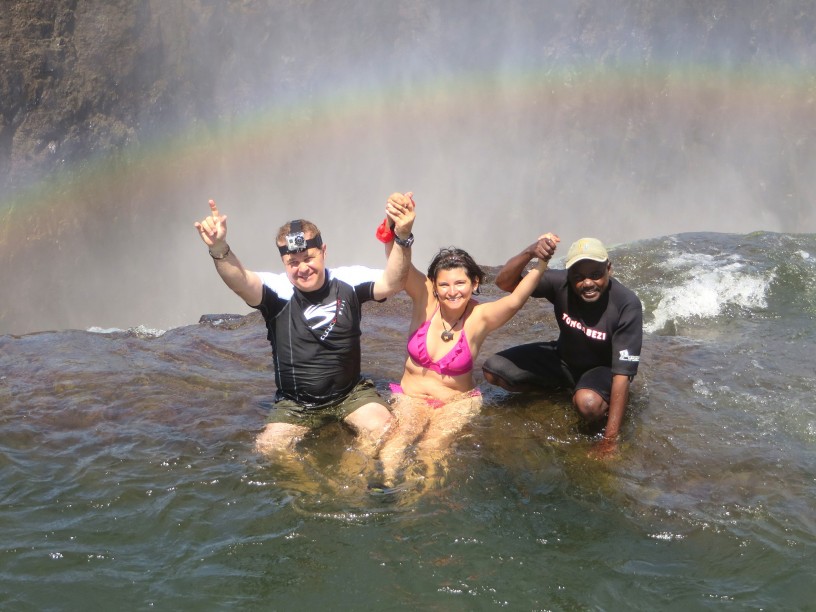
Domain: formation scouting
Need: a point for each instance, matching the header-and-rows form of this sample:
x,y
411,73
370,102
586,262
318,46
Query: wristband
x,y
227,252
384,233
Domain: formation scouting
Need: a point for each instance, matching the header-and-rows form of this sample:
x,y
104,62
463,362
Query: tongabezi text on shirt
x,y
591,333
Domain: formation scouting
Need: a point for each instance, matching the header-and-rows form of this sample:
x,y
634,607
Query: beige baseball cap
x,y
586,248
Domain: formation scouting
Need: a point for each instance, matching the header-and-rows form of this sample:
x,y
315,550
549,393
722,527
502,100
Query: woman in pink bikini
x,y
437,394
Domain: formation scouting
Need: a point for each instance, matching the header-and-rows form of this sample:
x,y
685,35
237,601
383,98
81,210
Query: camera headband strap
x,y
295,229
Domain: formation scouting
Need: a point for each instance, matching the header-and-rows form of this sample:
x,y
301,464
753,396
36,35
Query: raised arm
x,y
493,315
400,211
213,232
511,273
415,281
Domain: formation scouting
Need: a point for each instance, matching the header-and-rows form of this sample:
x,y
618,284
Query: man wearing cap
x,y
598,348
313,317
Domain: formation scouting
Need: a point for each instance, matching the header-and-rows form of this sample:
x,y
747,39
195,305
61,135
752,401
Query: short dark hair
x,y
307,227
452,258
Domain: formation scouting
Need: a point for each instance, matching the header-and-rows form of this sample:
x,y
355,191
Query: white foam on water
x,y
103,330
667,536
140,330
710,288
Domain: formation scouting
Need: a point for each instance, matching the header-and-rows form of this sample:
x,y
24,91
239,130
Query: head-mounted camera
x,y
296,240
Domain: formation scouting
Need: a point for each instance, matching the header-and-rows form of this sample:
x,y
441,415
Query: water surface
x,y
128,478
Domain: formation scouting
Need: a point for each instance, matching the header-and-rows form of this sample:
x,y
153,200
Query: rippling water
x,y
128,477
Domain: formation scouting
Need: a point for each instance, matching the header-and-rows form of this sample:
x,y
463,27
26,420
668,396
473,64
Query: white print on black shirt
x,y
591,333
625,356
327,313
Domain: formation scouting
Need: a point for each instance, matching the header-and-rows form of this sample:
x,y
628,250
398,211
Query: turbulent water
x,y
128,477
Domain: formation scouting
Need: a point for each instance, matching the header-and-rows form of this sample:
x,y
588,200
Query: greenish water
x,y
128,478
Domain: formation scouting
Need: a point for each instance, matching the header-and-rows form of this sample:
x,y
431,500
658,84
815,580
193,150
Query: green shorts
x,y
289,411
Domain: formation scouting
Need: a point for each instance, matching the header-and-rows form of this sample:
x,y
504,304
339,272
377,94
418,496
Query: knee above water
x,y
590,405
498,381
271,441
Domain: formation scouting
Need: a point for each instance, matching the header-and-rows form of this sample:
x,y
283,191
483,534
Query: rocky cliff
x,y
82,78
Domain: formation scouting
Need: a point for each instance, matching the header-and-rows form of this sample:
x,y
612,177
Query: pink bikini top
x,y
457,362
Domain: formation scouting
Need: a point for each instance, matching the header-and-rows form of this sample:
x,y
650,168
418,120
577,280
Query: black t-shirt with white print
x,y
315,338
608,332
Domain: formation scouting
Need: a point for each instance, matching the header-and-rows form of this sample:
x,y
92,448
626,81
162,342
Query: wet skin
x,y
306,270
454,289
589,279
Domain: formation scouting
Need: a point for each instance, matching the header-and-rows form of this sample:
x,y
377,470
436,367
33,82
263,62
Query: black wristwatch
x,y
404,243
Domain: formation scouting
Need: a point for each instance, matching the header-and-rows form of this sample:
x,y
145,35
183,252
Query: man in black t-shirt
x,y
598,348
313,317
